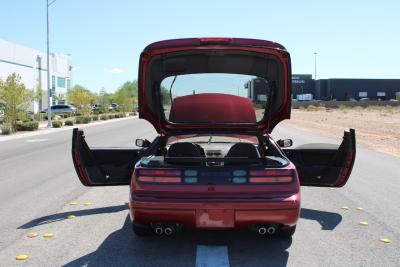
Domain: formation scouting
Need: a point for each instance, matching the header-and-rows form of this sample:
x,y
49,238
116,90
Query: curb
x,y
44,130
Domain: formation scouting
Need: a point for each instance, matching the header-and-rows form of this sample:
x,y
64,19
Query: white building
x,y
31,65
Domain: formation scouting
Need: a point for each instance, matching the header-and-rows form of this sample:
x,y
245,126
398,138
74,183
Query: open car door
x,y
325,164
102,166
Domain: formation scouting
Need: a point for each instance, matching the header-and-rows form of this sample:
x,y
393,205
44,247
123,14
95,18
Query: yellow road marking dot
x,y
48,235
87,203
71,216
73,203
363,223
385,240
32,234
359,208
344,208
21,257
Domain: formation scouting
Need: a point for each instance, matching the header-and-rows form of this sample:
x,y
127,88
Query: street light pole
x,y
315,65
49,124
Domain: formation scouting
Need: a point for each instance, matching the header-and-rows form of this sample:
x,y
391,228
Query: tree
x,y
39,96
15,98
126,96
81,98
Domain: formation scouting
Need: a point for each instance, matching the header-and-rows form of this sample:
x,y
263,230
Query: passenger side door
x,y
325,164
102,166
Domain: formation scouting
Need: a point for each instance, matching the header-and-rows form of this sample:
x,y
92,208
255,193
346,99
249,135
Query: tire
x,y
287,231
141,230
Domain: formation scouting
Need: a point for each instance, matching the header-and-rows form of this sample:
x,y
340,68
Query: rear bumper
x,y
217,213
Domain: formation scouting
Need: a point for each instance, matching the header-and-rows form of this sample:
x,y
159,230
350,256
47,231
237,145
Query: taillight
x,y
271,176
159,176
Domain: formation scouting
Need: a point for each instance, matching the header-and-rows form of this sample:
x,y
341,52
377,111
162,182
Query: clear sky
x,y
353,39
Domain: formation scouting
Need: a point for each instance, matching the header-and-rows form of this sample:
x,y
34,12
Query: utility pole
x,y
49,124
315,65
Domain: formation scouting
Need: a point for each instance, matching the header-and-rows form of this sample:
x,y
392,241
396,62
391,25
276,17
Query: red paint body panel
x,y
193,44
240,205
220,107
236,214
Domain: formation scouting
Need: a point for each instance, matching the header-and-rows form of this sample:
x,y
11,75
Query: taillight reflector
x,y
277,179
159,179
160,172
270,173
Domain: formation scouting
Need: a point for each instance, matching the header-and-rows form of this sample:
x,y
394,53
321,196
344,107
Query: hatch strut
x,y
270,95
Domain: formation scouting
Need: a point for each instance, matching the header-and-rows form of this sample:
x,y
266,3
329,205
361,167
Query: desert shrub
x,y
95,117
358,108
302,108
66,115
104,117
5,130
111,116
57,124
69,122
312,108
46,117
27,126
83,119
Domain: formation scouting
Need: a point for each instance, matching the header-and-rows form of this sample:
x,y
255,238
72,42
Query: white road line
x,y
212,256
36,140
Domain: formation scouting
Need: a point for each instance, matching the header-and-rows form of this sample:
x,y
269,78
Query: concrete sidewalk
x,y
44,130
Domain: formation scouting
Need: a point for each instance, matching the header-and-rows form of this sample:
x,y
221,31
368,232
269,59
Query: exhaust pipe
x,y
271,230
168,231
262,230
158,230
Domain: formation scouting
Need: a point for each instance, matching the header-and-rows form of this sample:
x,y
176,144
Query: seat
x,y
185,150
245,150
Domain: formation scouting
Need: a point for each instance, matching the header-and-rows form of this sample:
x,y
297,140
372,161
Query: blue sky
x,y
352,38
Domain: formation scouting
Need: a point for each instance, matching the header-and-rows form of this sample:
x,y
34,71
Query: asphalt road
x,y
38,182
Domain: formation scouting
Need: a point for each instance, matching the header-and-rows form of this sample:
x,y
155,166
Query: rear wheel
x,y
141,230
287,231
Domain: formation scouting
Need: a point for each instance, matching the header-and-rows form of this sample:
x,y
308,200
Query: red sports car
x,y
214,103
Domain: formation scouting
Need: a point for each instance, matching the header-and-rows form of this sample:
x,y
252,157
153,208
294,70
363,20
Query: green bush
x,y
27,126
69,123
57,124
111,116
95,117
5,130
46,117
104,117
66,115
83,119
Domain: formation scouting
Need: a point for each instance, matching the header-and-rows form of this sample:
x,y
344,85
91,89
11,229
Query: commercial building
x,y
31,65
344,89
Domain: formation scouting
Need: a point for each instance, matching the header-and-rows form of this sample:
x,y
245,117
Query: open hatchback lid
x,y
214,83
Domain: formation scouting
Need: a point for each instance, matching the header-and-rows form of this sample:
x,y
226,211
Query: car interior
x,y
221,153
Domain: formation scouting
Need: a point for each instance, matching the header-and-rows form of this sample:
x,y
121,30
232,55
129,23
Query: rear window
x,y
213,138
214,97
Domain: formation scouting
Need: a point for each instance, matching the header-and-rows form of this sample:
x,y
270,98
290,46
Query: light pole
x,y
49,124
315,65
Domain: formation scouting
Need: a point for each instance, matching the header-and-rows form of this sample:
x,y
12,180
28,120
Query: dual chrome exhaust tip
x,y
270,230
160,229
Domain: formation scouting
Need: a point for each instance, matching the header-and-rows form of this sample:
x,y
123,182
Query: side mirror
x,y
285,142
142,143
